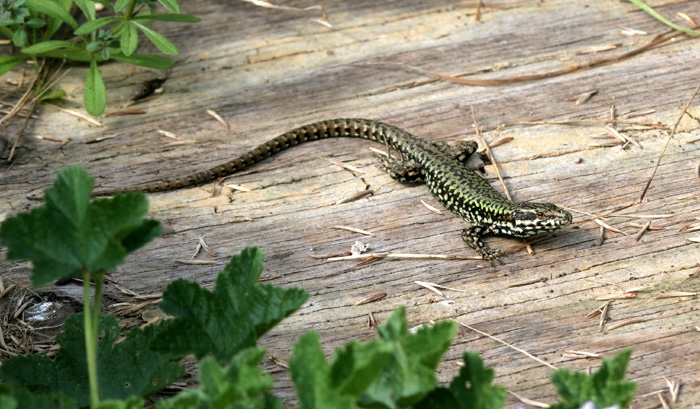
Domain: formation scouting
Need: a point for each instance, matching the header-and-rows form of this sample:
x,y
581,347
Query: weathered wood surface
x,y
267,71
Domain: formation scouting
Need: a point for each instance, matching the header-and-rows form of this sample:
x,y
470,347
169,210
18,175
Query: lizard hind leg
x,y
463,150
472,237
404,172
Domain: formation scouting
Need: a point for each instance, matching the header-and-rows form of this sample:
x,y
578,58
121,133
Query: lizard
x,y
442,168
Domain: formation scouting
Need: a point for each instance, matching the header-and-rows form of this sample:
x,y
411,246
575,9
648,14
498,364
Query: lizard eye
x,y
540,215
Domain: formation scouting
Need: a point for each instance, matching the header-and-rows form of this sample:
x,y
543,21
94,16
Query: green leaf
x,y
158,39
180,18
4,30
171,5
357,365
146,60
230,318
606,387
7,63
19,38
8,402
397,370
52,9
94,25
241,385
95,94
87,7
140,236
410,373
36,23
69,235
14,396
129,39
93,47
120,5
472,389
311,375
52,94
134,402
76,54
16,14
46,46
126,368
55,24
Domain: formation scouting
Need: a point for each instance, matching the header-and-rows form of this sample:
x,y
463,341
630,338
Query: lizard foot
x,y
404,172
472,237
491,254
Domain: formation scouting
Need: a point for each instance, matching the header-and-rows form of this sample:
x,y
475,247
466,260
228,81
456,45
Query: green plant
x,y
644,7
605,388
71,236
35,27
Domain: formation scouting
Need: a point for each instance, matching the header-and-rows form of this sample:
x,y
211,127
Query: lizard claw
x,y
490,255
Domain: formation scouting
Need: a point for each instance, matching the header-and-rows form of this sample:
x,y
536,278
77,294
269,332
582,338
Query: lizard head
x,y
535,219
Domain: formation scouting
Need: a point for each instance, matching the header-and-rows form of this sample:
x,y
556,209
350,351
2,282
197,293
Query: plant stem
x,y
653,13
91,316
99,285
130,12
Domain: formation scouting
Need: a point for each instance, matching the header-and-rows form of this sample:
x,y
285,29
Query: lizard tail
x,y
334,128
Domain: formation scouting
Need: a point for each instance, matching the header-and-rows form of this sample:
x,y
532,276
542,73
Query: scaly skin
x,y
457,187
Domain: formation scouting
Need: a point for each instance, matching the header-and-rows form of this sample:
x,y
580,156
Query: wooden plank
x,y
267,71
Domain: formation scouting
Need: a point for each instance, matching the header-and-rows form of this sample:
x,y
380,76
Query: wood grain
x,y
267,71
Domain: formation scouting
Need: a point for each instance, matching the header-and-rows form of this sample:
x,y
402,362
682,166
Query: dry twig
x,y
659,39
626,322
354,230
529,401
527,282
371,299
509,345
356,196
673,132
408,256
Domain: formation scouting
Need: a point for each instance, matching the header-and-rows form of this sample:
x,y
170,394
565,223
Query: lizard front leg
x,y
472,236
